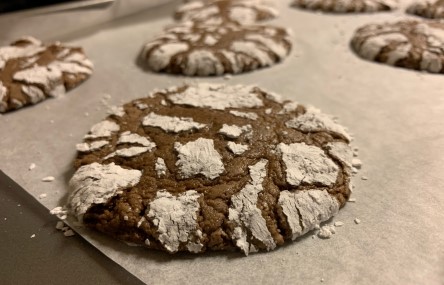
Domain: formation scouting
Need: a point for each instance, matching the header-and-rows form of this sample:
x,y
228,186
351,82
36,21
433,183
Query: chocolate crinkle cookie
x,y
207,49
220,11
347,6
211,167
433,9
410,44
31,71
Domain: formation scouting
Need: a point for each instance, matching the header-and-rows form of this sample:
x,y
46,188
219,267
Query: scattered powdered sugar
x,y
315,121
199,157
237,148
307,164
217,96
171,124
306,209
176,220
96,183
31,166
244,213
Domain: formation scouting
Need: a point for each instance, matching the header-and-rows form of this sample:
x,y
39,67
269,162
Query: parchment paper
x,y
396,117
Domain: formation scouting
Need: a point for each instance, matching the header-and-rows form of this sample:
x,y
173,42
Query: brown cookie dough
x,y
31,71
211,167
223,11
347,6
206,49
432,9
410,44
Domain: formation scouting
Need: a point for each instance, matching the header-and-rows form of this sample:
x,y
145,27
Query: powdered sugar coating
x,y
176,220
347,6
341,151
233,131
433,9
160,167
220,11
217,96
247,115
103,129
95,184
213,49
313,120
171,124
237,148
248,220
87,147
133,138
199,157
410,44
305,210
307,165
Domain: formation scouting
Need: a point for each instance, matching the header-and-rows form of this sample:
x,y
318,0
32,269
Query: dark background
x,y
16,5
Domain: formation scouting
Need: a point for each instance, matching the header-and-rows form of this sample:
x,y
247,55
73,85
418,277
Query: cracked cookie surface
x,y
411,44
211,167
347,6
223,11
31,72
206,49
432,9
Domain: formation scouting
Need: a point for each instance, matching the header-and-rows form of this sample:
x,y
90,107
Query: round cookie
x,y
347,6
206,49
410,44
31,71
211,167
433,9
223,11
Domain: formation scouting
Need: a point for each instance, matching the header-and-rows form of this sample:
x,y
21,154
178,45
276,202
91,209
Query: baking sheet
x,y
395,115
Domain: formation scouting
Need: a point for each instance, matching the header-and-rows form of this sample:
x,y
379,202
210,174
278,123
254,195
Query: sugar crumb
x,y
48,179
69,233
352,200
357,163
339,224
60,225
364,178
31,166
42,196
33,236
357,221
